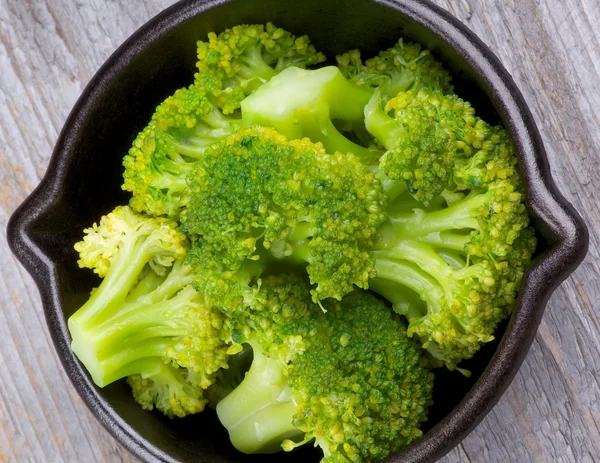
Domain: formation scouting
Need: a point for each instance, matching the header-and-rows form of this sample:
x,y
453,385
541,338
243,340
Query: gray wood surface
x,y
50,49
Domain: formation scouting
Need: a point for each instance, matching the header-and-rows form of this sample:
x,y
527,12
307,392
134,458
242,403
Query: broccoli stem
x,y
107,323
149,366
446,240
321,129
180,276
164,318
400,83
113,291
193,142
255,65
404,302
379,124
146,285
392,188
412,277
422,256
137,332
300,103
172,180
193,145
217,120
258,414
461,215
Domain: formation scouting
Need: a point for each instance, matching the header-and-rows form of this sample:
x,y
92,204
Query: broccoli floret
x,y
300,103
129,324
163,154
426,133
404,67
463,260
452,257
236,62
349,379
166,388
257,192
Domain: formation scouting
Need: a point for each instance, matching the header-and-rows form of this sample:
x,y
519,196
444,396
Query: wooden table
x,y
50,49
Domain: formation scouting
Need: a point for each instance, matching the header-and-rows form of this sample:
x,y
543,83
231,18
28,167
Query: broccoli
x,y
404,67
236,62
145,312
267,198
453,268
426,133
163,154
349,379
257,196
300,103
156,384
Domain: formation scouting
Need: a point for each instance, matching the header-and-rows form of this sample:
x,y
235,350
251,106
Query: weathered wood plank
x,y
48,52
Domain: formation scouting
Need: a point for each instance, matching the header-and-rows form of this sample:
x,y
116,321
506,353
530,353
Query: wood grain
x,y
48,52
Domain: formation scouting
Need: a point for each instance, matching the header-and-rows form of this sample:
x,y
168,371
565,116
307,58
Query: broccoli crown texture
x,y
257,189
233,64
404,67
426,133
348,378
159,385
163,153
145,312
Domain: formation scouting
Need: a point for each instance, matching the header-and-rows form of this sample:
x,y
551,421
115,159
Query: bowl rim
x,y
547,205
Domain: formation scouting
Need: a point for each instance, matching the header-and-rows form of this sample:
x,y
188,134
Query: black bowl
x,y
84,177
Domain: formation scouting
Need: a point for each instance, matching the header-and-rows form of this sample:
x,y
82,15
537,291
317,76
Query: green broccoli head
x,y
451,259
425,133
348,378
404,67
123,242
145,311
236,62
464,259
258,193
163,154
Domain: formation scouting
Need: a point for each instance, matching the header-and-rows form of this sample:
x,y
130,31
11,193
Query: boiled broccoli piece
x,y
454,268
453,255
236,62
349,379
145,312
404,67
163,154
425,133
300,103
159,385
257,196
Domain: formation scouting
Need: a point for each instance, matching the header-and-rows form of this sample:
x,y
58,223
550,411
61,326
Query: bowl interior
x,y
101,133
